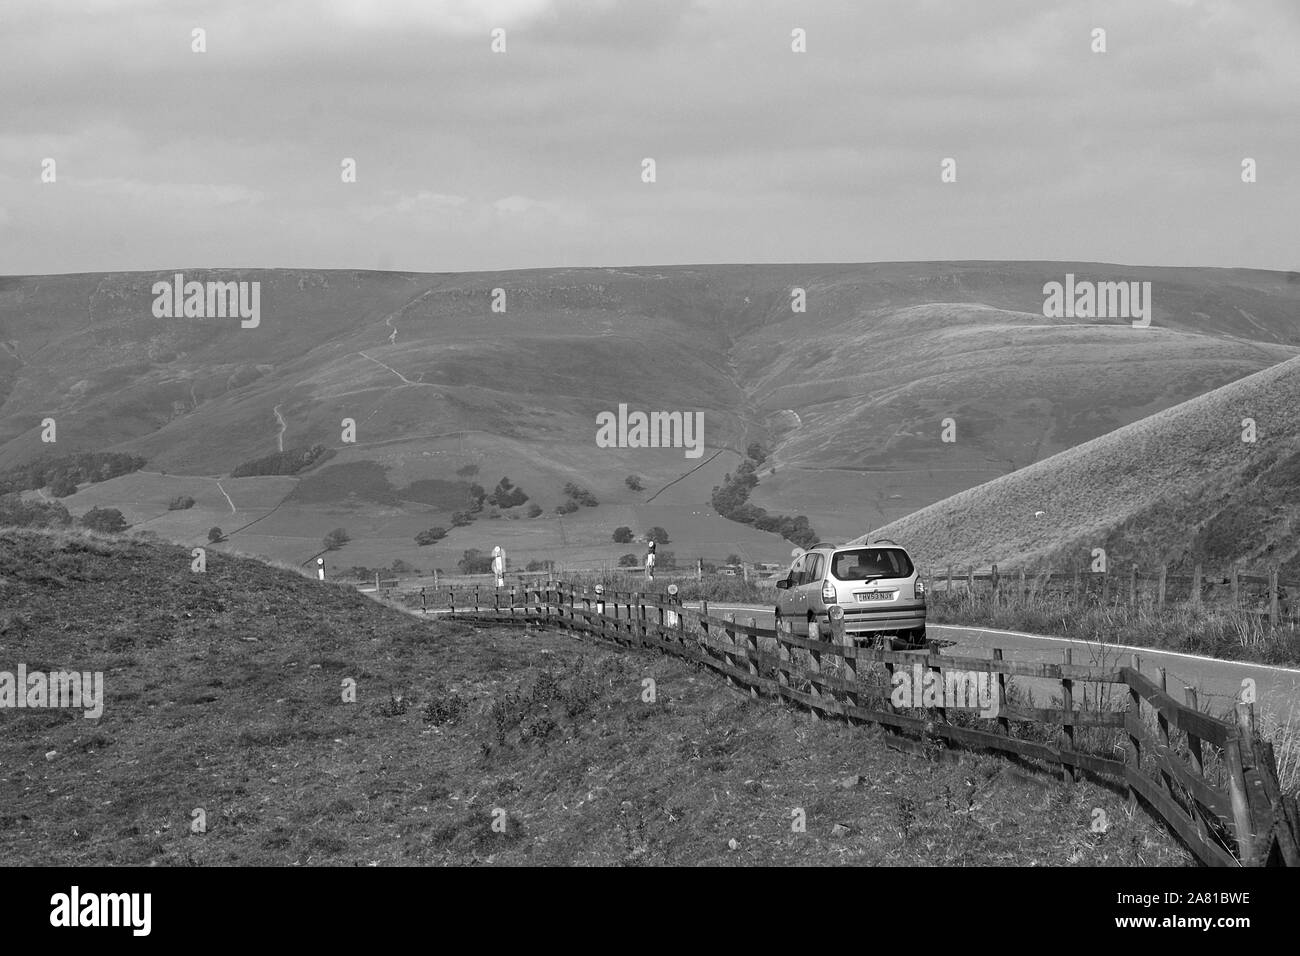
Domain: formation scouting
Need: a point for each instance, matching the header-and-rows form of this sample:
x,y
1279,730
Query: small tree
x,y
180,503
534,510
634,482
62,486
336,539
628,561
733,558
107,520
755,451
658,535
215,535
461,518
623,535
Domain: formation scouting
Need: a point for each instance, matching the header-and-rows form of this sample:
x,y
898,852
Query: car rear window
x,y
862,563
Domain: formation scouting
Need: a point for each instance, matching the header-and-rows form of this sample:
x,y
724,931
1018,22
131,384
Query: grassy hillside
x,y
223,694
1178,487
848,397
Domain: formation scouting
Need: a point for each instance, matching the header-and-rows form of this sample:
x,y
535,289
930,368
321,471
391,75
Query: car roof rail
x,y
890,540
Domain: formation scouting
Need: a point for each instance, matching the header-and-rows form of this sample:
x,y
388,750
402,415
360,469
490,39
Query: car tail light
x,y
919,588
828,593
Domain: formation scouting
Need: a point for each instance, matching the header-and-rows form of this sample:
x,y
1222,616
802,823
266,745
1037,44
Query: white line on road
x,y
1119,647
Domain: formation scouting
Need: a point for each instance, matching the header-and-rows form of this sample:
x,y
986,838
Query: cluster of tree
x,y
623,535
288,462
575,497
105,520
756,453
32,514
336,539
634,483
430,536
180,503
507,494
64,473
731,500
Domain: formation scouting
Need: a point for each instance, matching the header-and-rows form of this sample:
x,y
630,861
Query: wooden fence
x,y
1262,594
1212,781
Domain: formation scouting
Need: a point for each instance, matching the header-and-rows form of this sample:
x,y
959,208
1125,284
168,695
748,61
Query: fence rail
x,y
1212,781
1129,587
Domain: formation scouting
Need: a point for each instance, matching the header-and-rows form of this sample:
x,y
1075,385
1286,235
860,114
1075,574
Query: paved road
x,y
1277,689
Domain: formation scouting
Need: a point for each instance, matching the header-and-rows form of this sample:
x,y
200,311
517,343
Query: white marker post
x,y
499,566
320,568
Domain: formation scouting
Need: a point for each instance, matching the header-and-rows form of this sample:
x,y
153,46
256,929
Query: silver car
x,y
877,586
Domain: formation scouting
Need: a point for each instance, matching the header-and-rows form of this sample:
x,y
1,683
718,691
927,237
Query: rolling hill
x,y
1179,487
848,396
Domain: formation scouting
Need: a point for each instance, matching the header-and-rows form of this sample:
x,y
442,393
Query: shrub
x,y
623,535
336,539
474,561
32,514
444,707
658,535
628,561
534,510
430,536
634,482
461,518
215,535
180,503
580,496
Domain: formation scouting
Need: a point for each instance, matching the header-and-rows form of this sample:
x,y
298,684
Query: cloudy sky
x,y
469,159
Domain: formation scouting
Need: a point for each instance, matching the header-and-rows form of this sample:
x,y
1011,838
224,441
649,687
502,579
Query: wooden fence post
x,y
949,588
1272,596
1237,796
1160,594
1067,703
751,654
1196,749
850,664
1196,586
997,584
1004,724
1235,580
1075,599
1132,586
1162,723
728,656
1105,588
1134,742
970,581
1020,588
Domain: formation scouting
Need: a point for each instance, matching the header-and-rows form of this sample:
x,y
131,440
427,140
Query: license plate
x,y
863,596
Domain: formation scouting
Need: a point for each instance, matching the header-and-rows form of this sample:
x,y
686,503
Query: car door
x,y
811,585
787,599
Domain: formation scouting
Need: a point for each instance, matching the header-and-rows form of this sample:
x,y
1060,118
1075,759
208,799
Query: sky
x,y
469,159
